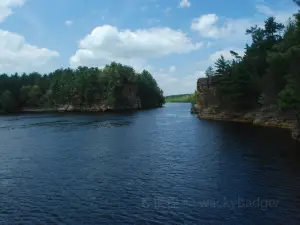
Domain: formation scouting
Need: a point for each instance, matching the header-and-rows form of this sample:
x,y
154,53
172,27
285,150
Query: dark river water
x,y
162,166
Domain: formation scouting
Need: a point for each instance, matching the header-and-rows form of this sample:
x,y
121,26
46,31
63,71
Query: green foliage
x,y
222,66
149,92
269,71
289,99
78,87
181,98
193,98
8,103
209,72
297,2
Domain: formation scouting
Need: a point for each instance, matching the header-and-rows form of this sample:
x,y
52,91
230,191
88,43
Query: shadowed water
x,y
162,166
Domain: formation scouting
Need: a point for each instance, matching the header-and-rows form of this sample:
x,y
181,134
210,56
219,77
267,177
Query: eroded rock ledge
x,y
271,117
71,108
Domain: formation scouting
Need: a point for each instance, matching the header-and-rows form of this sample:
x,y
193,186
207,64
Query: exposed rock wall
x,y
207,107
271,117
72,108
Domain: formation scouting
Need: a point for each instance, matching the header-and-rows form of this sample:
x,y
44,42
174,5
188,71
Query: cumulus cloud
x,y
69,23
208,26
174,84
184,4
202,65
136,48
280,15
5,7
18,56
107,43
226,53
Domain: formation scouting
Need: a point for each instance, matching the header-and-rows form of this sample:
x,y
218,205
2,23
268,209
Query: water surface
x,y
162,166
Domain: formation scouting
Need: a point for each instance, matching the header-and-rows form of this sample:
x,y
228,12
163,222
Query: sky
x,y
175,40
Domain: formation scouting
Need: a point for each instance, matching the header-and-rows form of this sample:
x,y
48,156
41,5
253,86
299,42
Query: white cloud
x,y
135,48
264,9
211,58
207,26
106,43
184,4
210,44
172,69
18,56
5,7
69,23
226,53
172,84
210,25
281,15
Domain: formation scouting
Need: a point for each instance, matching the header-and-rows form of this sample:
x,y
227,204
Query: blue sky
x,y
176,40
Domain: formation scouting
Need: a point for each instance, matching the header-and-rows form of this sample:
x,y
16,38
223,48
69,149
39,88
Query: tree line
x,y
181,98
269,71
83,86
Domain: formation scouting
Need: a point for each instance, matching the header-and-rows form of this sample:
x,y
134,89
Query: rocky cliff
x,y
207,107
71,108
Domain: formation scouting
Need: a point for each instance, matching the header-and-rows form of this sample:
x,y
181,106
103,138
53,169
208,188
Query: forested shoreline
x,y
184,98
268,74
77,87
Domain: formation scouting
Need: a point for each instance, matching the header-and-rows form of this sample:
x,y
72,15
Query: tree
x,y
24,95
222,66
297,2
209,73
236,56
34,96
83,86
8,103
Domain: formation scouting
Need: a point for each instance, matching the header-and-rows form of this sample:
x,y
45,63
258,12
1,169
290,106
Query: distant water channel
x,y
161,166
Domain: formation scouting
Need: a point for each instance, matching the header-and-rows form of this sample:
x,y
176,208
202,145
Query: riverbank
x,y
270,117
183,98
70,108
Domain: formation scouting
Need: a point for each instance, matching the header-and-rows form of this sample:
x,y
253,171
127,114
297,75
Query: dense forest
x,y
80,87
269,71
181,98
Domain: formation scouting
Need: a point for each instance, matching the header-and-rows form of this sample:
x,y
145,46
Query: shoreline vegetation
x,y
115,87
183,98
262,86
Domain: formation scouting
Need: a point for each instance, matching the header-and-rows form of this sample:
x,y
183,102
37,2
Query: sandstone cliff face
x,y
72,108
271,117
207,107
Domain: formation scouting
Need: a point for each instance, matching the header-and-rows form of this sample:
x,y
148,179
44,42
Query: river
x,y
161,166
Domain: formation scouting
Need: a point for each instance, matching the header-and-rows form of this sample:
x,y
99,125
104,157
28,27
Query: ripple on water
x,y
73,124
150,168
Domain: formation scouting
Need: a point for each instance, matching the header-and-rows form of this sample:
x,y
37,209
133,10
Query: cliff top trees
x,y
268,73
82,86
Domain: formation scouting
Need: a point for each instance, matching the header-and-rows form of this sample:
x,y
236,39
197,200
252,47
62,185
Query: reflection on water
x,y
71,124
162,166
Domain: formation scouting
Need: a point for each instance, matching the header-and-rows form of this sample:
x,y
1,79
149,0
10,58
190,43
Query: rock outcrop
x,y
207,107
72,108
271,117
92,108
